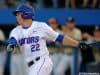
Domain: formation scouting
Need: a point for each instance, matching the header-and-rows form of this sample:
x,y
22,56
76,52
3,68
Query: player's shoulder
x,y
16,29
40,24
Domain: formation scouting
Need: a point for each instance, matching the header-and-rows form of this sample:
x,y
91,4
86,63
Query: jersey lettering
x,y
28,40
35,47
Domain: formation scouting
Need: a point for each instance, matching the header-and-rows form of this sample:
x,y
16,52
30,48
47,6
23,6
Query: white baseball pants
x,y
41,67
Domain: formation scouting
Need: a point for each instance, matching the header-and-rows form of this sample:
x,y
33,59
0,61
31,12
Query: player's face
x,y
20,20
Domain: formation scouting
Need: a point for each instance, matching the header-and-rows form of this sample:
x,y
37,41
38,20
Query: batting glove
x,y
10,48
83,45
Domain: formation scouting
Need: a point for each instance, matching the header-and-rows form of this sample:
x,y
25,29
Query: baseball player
x,y
31,37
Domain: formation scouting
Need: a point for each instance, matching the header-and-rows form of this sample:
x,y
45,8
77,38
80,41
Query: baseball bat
x,y
94,44
7,64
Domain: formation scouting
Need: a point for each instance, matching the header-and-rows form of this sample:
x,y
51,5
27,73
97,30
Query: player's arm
x,y
11,44
65,40
69,41
12,41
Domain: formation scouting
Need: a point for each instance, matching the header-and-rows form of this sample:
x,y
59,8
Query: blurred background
x,y
80,19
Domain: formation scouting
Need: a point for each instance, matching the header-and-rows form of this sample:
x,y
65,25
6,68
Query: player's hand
x,y
10,48
83,45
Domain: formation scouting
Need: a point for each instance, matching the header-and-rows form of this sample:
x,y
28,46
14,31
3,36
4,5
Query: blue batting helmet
x,y
26,10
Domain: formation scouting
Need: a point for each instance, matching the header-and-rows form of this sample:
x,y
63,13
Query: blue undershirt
x,y
60,38
12,41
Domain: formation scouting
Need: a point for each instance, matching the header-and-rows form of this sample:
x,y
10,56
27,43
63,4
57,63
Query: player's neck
x,y
27,23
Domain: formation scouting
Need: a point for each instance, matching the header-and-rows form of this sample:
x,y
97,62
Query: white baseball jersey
x,y
32,41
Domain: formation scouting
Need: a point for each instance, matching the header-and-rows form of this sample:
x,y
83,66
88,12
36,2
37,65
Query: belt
x,y
33,61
